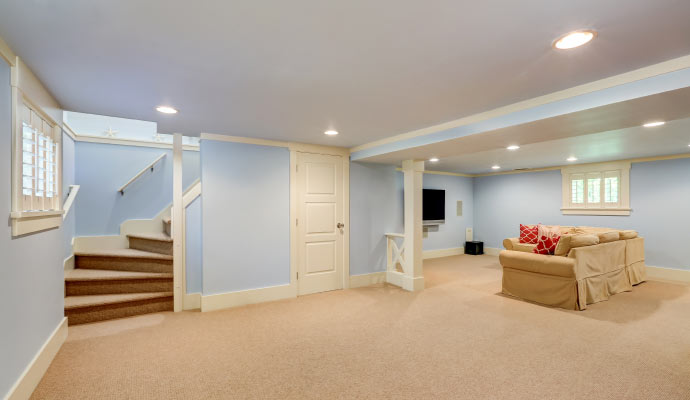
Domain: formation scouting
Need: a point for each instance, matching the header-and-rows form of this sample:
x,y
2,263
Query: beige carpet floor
x,y
458,339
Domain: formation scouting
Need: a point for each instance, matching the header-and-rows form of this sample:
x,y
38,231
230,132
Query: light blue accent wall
x,y
193,246
31,272
101,169
659,197
68,178
450,234
376,207
245,216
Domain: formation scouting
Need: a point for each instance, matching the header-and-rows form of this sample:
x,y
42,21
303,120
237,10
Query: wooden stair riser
x,y
88,314
151,245
124,264
119,286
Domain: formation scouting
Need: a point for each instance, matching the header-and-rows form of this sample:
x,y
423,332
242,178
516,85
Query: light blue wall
x,y
450,234
376,207
68,178
193,246
245,216
659,197
31,272
100,171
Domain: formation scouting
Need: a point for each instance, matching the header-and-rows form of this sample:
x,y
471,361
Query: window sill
x,y
26,222
595,211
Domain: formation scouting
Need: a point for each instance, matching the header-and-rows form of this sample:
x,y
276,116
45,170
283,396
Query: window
x,y
596,189
36,178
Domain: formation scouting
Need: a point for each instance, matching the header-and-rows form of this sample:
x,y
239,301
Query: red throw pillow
x,y
546,245
529,234
548,240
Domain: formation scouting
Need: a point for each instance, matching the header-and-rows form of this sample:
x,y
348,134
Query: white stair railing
x,y
150,166
395,254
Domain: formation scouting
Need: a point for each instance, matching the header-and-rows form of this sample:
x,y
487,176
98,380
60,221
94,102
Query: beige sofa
x,y
590,265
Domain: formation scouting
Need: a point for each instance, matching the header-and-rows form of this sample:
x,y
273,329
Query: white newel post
x,y
414,273
177,225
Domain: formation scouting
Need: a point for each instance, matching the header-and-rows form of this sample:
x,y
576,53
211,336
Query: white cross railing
x,y
395,254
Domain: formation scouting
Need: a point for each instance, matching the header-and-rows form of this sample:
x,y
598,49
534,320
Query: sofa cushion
x,y
528,234
537,263
610,236
628,234
563,246
583,240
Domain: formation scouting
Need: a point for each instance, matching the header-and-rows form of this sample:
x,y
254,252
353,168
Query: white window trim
x,y
27,222
623,206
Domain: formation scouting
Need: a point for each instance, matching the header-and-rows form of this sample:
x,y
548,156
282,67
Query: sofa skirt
x,y
637,272
568,293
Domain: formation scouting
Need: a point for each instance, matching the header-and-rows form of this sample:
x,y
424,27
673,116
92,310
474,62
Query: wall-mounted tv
x,y
433,206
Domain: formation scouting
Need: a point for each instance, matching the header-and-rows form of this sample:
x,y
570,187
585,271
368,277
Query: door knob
x,y
340,225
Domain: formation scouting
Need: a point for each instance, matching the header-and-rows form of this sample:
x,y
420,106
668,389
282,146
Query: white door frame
x,y
294,239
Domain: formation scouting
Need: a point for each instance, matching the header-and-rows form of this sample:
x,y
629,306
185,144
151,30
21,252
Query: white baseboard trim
x,y
492,251
454,251
406,282
191,301
32,375
252,296
668,274
68,263
367,279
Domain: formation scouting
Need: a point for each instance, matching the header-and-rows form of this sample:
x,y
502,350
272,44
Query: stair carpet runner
x,y
121,283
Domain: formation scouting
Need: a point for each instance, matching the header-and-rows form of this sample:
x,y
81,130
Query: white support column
x,y
177,225
414,273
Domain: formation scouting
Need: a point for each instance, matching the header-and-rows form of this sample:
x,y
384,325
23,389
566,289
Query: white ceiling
x,y
636,142
289,70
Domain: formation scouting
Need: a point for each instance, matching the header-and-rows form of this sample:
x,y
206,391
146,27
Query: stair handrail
x,y
150,166
71,195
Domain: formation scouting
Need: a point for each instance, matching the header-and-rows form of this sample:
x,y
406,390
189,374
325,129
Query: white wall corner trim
x,y
191,301
492,251
454,251
34,372
252,296
357,281
668,274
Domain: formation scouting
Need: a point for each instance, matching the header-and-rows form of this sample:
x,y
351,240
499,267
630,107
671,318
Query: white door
x,y
320,225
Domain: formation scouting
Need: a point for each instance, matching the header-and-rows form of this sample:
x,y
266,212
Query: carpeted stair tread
x,y
162,237
75,302
123,253
79,274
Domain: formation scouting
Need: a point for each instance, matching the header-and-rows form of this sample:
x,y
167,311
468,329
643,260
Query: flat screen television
x,y
433,206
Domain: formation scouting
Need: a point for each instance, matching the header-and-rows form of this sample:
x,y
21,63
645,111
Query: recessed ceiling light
x,y
513,147
331,133
166,110
653,124
574,39
433,159
571,159
496,167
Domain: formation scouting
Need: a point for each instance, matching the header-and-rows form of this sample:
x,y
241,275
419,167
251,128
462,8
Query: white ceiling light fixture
x,y
513,147
166,110
653,124
433,159
330,132
496,167
571,159
574,39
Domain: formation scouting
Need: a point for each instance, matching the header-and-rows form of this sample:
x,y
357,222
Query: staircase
x,y
117,283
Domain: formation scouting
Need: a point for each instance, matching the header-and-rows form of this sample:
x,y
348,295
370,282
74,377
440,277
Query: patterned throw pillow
x,y
529,234
548,239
